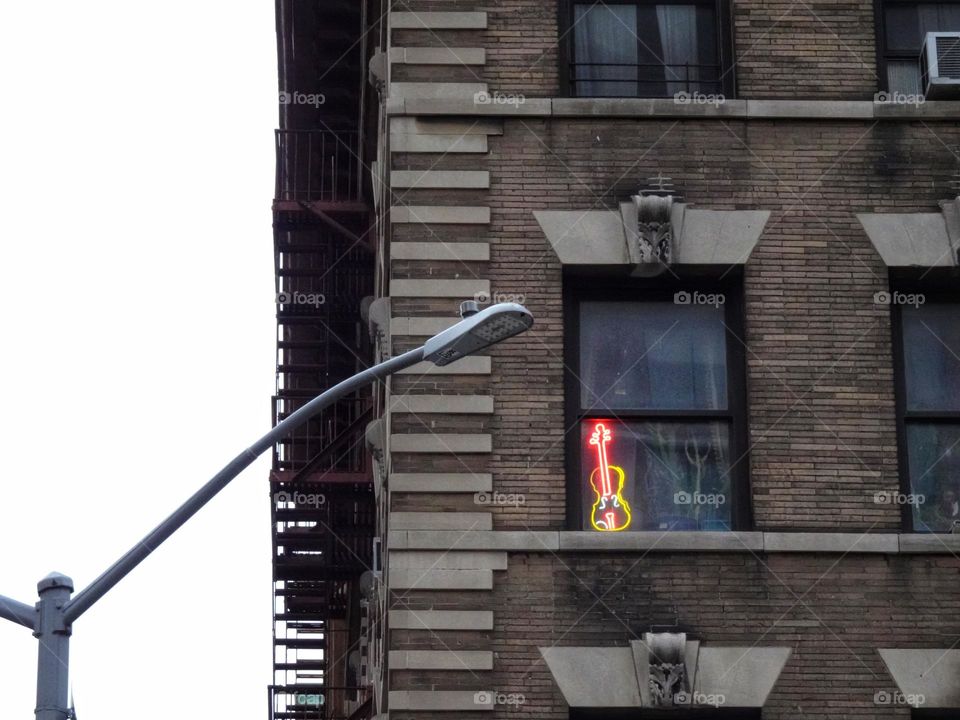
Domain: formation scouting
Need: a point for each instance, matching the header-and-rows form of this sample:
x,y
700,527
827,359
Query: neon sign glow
x,y
610,511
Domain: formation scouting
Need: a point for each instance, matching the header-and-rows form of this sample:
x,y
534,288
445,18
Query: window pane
x,y
652,355
678,35
903,76
903,28
934,452
646,49
605,48
931,349
674,475
908,23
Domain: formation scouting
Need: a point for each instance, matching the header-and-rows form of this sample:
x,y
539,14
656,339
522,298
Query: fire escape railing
x,y
318,165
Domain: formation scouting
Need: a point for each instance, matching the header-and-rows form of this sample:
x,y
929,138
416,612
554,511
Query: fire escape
x,y
323,511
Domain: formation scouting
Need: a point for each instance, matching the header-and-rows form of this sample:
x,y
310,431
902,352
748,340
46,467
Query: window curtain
x,y
605,50
678,36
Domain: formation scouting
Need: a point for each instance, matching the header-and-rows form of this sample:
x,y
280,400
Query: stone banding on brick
x,y
405,143
465,251
430,288
441,700
447,404
440,179
440,214
438,20
440,482
441,660
440,579
441,619
438,56
474,365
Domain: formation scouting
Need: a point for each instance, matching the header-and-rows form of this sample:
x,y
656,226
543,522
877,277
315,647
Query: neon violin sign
x,y
610,511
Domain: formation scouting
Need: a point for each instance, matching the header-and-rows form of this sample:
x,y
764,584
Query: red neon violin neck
x,y
602,441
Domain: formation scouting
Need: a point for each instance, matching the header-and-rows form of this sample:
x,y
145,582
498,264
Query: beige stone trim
x,y
465,251
928,673
438,143
441,619
447,404
440,179
441,660
402,125
811,109
420,326
473,365
682,541
438,20
440,700
413,92
910,239
440,482
438,56
433,288
436,579
440,214
441,443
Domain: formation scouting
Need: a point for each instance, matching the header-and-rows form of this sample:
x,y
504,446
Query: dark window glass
x,y
930,343
645,49
652,355
656,445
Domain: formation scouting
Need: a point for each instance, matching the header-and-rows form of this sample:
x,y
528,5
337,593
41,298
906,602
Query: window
x,y
655,387
928,402
647,49
903,26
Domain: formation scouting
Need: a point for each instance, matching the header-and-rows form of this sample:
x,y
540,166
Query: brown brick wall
x,y
521,40
782,49
819,366
833,612
805,50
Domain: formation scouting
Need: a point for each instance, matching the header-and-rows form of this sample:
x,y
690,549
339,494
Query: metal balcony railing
x,y
317,165
643,79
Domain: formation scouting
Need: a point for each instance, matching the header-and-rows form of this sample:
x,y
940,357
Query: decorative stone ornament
x,y
668,675
653,238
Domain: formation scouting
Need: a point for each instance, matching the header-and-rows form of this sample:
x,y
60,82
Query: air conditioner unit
x,y
940,65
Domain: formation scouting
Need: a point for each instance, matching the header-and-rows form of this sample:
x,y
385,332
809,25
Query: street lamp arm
x,y
116,572
16,611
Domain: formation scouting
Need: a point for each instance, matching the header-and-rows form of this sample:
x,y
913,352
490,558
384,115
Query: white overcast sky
x,y
136,295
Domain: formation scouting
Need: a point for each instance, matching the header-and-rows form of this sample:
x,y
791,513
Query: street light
x,y
52,618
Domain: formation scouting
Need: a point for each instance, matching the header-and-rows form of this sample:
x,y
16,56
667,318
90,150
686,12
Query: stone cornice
x,y
667,108
552,541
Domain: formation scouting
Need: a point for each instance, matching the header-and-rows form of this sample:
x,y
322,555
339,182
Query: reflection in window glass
x,y
934,475
652,355
931,346
670,475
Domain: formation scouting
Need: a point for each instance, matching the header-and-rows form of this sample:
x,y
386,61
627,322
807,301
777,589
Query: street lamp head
x,y
477,330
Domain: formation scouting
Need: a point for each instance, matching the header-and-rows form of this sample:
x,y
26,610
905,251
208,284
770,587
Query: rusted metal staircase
x,y
323,511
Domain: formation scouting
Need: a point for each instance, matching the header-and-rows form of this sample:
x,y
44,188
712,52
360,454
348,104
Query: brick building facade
x,y
826,587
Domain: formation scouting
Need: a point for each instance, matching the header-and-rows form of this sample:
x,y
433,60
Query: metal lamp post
x,y
52,618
